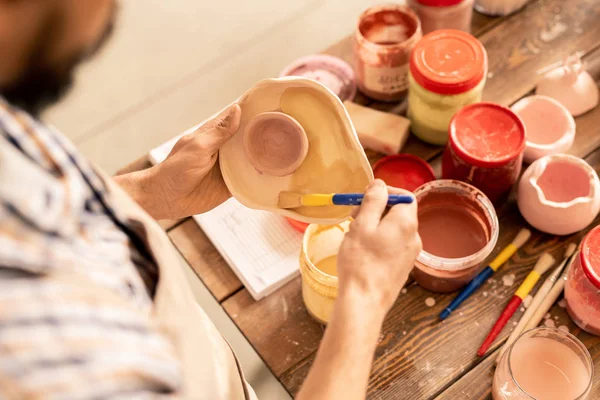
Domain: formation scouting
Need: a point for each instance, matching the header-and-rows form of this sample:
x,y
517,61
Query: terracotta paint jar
x,y
559,194
383,41
448,69
459,229
544,363
582,289
549,125
443,14
318,266
485,149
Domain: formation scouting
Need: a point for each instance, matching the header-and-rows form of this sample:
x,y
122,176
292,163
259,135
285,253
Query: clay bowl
x,y
328,158
275,143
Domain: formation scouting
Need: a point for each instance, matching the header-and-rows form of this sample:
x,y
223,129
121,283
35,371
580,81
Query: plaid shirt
x,y
76,279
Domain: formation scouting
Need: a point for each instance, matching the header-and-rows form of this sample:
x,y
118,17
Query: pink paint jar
x,y
459,229
443,14
485,149
383,41
544,363
582,289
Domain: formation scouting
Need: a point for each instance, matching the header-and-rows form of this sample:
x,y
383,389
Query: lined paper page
x,y
261,247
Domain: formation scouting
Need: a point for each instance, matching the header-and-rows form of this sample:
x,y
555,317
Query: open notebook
x,y
260,247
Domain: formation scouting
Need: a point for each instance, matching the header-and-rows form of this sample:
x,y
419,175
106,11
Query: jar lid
x,y
297,225
332,72
487,135
448,61
403,171
439,3
590,256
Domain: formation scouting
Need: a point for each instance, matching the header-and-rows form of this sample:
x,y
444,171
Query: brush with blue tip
x,y
504,256
294,200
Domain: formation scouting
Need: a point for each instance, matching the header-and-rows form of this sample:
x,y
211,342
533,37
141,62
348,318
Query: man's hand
x,y
377,254
189,180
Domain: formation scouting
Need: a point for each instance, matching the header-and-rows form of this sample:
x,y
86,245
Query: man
x,y
92,304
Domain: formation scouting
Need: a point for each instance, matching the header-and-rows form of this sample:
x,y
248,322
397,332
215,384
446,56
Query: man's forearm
x,y
141,186
343,364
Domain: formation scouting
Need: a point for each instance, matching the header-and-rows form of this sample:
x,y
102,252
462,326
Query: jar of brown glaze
x,y
383,41
443,14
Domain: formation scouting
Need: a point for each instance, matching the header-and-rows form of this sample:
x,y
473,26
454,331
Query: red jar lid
x,y
448,61
403,171
439,3
297,225
590,256
487,135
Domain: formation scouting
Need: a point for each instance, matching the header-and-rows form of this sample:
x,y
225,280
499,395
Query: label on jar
x,y
386,79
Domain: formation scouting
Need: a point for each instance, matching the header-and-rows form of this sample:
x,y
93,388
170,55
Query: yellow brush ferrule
x,y
527,285
312,200
503,257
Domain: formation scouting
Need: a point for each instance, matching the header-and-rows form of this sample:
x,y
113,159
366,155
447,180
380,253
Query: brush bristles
x,y
570,250
289,200
544,263
522,237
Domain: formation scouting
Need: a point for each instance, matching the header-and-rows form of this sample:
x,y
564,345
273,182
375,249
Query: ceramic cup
x,y
549,126
559,194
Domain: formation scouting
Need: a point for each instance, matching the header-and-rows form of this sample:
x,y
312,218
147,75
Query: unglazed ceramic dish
x,y
559,194
549,126
334,161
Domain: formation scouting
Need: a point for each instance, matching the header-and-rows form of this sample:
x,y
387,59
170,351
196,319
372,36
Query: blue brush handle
x,y
355,199
467,291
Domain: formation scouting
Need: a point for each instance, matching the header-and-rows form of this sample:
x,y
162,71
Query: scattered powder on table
x,y
547,316
484,294
508,280
562,303
490,75
527,300
556,317
564,328
522,309
430,302
514,322
404,333
550,323
404,291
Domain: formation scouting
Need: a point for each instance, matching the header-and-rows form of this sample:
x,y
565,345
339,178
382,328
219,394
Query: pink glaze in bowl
x,y
559,194
549,126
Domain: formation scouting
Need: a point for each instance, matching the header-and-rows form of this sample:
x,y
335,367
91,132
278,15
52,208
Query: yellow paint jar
x,y
318,257
448,70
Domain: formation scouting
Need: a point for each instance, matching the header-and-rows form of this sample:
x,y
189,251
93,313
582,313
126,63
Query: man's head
x,y
42,41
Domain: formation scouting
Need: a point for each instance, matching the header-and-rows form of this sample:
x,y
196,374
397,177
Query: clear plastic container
x,y
448,70
443,14
582,289
459,229
320,289
499,8
544,363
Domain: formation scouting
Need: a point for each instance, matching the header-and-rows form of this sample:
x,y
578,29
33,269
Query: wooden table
x,y
419,357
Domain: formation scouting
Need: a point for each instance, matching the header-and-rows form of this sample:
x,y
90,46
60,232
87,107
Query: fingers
x,y
212,135
403,216
373,205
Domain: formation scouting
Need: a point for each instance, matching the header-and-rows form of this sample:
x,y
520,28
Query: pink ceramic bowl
x,y
559,194
549,126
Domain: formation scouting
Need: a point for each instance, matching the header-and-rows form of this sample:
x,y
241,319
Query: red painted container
x,y
582,289
485,149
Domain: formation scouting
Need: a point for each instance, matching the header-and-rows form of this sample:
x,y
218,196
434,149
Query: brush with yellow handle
x,y
294,200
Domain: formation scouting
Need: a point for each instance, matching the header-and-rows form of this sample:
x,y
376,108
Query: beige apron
x,y
210,368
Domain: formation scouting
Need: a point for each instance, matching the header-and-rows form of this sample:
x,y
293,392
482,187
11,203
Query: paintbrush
x,y
537,300
504,256
294,200
543,264
549,300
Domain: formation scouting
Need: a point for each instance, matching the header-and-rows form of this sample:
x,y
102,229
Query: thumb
x,y
216,132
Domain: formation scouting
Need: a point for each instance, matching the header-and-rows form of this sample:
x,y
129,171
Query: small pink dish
x,y
559,194
549,126
275,143
332,72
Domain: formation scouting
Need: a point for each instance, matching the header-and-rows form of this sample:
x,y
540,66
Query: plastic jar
x,y
544,363
485,149
383,41
443,14
448,69
499,8
582,289
319,288
459,229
